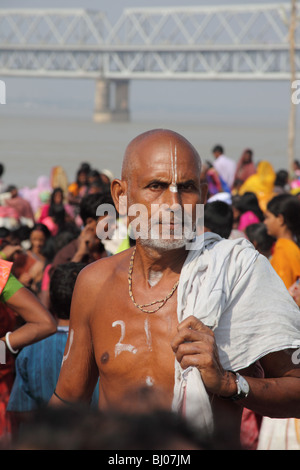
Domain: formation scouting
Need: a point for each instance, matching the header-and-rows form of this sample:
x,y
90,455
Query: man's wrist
x,y
241,385
229,386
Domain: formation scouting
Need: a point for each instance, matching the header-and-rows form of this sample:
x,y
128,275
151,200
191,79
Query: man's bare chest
x,y
125,338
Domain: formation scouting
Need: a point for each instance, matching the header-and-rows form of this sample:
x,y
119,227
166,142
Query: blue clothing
x,y
37,370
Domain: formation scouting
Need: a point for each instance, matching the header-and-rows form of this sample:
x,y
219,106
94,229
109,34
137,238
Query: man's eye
x,y
156,186
187,187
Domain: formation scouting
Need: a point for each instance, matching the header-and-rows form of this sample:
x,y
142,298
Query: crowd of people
x,y
261,205
48,236
41,230
264,207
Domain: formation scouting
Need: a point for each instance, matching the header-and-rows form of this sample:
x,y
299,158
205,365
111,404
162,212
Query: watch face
x,y
243,385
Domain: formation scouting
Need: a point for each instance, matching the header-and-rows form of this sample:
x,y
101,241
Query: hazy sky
x,y
252,101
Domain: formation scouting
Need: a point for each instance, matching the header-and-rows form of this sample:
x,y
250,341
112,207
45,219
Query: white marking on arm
x,y
71,338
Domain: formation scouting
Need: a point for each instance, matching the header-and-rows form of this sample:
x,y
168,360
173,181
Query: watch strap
x,y
240,393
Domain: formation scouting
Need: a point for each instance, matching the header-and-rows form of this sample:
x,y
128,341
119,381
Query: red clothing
x,y
244,170
250,427
7,371
44,213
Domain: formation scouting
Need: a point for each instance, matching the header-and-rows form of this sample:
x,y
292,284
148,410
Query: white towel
x,y
233,290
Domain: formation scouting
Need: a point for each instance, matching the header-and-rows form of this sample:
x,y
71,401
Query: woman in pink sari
x,y
246,211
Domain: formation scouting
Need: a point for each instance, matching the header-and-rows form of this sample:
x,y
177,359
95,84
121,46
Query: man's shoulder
x,y
107,268
215,242
239,253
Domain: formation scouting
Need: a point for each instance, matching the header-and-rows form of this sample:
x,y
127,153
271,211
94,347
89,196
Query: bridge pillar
x,y
121,110
102,112
110,107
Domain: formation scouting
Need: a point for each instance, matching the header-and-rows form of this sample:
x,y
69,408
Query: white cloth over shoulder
x,y
235,291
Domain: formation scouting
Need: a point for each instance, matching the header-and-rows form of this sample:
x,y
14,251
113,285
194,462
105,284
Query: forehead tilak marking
x,y
173,186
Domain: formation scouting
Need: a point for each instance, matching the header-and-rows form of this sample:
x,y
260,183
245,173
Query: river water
x,y
31,143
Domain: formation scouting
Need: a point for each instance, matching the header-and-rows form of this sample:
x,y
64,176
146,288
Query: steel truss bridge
x,y
238,42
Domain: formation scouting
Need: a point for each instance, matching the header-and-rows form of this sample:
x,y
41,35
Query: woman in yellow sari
x,y
261,184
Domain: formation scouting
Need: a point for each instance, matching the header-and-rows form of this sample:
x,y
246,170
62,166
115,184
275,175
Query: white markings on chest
x,y
149,381
120,347
148,334
154,278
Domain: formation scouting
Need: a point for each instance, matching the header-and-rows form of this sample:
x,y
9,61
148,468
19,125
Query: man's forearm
x,y
275,398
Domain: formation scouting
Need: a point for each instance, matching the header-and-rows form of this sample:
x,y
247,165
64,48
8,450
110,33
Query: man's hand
x,y
194,345
294,290
86,241
10,250
86,237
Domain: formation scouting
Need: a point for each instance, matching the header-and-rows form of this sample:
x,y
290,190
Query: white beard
x,y
157,233
163,245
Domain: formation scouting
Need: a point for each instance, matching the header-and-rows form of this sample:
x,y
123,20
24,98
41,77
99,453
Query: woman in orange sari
x,y
282,219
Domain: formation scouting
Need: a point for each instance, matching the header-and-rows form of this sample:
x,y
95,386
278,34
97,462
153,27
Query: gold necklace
x,y
142,307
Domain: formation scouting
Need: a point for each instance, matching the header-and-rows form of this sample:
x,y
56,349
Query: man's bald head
x,y
156,139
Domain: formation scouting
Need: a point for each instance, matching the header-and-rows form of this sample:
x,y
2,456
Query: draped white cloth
x,y
235,291
279,434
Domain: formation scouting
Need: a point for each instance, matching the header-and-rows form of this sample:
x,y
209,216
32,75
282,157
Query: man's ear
x,y
203,192
119,195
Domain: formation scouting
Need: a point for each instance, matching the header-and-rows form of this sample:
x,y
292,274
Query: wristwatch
x,y
243,388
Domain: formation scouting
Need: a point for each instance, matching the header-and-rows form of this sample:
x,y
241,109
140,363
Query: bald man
x,y
124,324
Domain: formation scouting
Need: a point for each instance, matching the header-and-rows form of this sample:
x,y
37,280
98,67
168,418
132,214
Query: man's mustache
x,y
170,216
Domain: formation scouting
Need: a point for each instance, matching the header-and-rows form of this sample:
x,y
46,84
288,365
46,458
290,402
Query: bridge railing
x,y
212,42
186,27
50,28
210,26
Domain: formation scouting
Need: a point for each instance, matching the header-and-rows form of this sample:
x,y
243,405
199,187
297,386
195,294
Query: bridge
x,y
238,42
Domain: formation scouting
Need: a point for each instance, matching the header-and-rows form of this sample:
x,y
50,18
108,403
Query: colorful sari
x,y
8,322
261,184
286,261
